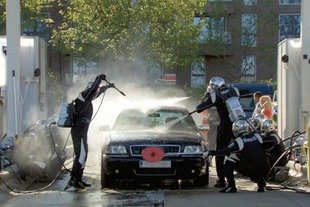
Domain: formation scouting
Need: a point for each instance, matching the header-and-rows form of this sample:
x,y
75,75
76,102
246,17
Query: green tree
x,y
32,12
160,31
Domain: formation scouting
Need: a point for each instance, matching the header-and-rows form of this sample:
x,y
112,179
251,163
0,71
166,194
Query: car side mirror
x,y
104,128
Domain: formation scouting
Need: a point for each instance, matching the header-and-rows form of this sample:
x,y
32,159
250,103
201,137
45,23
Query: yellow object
x,y
308,154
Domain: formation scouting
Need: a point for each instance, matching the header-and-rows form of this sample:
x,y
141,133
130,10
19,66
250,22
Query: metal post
x,y
13,70
1,116
305,67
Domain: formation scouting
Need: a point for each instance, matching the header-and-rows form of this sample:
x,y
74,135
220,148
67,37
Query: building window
x,y
289,26
288,2
248,66
203,31
249,30
84,66
250,2
216,28
198,73
213,28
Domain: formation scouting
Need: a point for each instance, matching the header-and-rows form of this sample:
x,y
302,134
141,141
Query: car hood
x,y
151,137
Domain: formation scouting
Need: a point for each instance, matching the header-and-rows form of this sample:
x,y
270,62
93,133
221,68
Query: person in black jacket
x,y
216,96
274,147
82,118
245,154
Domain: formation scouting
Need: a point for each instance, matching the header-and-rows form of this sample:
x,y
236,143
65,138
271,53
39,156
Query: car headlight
x,y
116,149
193,149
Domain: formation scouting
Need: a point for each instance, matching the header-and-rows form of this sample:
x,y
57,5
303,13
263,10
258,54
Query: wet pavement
x,y
185,196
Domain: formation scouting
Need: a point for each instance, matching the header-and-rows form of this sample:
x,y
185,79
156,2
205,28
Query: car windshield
x,y
169,119
247,103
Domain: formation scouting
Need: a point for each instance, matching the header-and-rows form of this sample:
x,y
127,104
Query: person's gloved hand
x,y
111,85
206,154
102,76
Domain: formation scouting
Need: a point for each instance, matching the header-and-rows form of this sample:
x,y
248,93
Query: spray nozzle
x,y
121,92
190,113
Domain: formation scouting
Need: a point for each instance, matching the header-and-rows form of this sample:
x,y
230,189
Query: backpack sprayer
x,y
67,111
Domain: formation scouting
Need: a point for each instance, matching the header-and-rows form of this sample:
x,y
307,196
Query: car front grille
x,y
136,150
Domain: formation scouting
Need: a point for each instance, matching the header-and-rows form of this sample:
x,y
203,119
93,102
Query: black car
x,y
152,145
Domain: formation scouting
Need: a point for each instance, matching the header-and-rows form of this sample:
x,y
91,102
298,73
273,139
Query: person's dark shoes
x,y
78,185
229,189
85,184
261,185
220,184
261,189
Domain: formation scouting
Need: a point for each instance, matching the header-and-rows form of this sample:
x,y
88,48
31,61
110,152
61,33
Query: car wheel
x,y
107,181
203,179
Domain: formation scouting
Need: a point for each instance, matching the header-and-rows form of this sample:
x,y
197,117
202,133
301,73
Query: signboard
x,y
170,78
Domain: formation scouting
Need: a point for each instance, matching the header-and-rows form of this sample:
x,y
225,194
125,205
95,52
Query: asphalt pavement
x,y
295,194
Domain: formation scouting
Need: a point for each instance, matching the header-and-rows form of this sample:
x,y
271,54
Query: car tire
x,y
107,181
203,179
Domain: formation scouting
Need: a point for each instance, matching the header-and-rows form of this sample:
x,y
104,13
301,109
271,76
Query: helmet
x,y
88,85
241,127
257,121
216,82
252,122
266,126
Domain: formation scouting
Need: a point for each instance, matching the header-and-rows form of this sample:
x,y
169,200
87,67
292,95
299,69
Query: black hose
x,y
48,185
290,148
291,138
294,134
31,191
4,136
54,145
283,185
282,155
98,108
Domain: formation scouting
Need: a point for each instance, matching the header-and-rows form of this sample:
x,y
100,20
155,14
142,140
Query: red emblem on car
x,y
153,154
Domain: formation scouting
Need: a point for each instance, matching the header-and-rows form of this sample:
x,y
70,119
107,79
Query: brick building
x,y
242,37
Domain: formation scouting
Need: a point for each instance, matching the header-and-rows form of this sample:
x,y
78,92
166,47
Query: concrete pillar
x,y
12,92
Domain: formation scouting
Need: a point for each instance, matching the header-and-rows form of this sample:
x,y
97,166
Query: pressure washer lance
x,y
121,92
203,108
